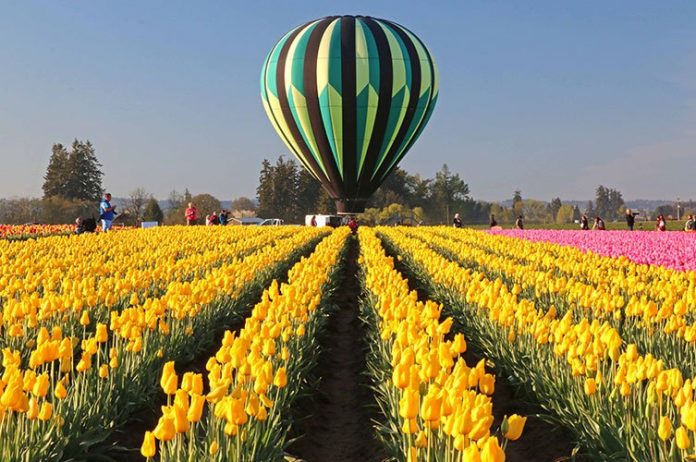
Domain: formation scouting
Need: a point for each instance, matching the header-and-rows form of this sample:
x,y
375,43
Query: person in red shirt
x,y
191,214
353,225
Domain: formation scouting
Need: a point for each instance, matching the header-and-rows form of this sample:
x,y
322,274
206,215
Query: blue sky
x,y
549,97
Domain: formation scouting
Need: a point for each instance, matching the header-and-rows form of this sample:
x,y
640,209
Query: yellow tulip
x,y
471,453
590,386
165,431
60,391
33,411
196,408
101,335
149,446
408,404
281,378
491,451
664,430
41,385
84,319
682,437
104,371
46,411
515,425
169,380
214,448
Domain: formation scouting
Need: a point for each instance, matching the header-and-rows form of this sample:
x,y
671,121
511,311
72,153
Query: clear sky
x,y
549,97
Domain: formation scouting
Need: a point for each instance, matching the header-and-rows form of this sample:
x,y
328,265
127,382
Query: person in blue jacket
x,y
107,212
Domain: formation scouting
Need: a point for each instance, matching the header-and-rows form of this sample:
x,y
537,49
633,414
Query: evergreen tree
x,y
576,213
84,176
555,206
56,176
448,191
308,191
264,191
589,210
517,203
602,207
152,211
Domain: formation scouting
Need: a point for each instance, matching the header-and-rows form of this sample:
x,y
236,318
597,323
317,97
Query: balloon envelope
x,y
349,95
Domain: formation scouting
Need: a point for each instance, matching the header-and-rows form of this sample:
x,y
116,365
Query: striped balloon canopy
x,y
349,95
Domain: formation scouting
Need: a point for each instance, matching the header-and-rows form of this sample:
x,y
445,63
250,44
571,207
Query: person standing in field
x,y
584,223
191,214
690,224
223,217
519,223
107,212
457,222
494,223
630,219
661,224
599,224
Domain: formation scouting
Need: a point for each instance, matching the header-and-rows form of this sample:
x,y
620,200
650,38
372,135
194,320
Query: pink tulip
x,y
675,250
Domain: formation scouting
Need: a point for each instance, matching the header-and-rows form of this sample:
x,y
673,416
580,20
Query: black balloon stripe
x,y
394,150
305,152
365,184
311,94
349,103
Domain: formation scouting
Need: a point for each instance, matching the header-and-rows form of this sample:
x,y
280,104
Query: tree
x,y
136,202
555,206
206,203
152,211
264,191
589,209
447,192
177,204
74,175
243,204
517,204
56,177
20,210
576,213
602,207
565,214
308,190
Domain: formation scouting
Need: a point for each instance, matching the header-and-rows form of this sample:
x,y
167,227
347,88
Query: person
x,y
313,221
457,221
214,220
519,223
493,222
584,224
690,224
79,227
630,218
353,225
223,217
107,212
191,214
661,224
599,224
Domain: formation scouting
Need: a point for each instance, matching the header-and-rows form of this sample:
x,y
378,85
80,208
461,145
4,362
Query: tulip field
x,y
204,343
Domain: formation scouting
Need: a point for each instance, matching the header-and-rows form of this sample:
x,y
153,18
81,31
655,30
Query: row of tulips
x,y
621,404
649,306
22,232
672,250
98,376
254,377
153,263
436,407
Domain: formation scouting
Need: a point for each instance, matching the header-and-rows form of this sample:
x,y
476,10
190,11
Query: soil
x,y
337,422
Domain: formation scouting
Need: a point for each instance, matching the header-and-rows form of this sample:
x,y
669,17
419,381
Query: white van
x,y
333,221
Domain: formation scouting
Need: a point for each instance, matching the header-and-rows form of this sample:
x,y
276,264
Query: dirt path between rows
x,y
335,421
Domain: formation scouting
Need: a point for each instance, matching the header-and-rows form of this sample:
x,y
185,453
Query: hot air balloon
x,y
349,95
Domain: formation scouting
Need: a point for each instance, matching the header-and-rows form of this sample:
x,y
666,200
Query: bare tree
x,y
136,202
